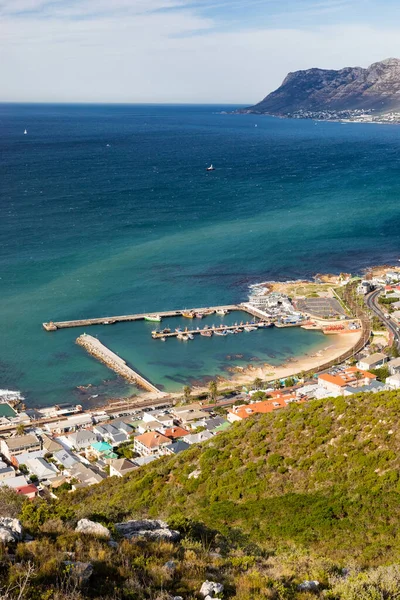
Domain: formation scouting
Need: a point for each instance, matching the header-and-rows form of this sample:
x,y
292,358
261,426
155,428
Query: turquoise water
x,y
109,210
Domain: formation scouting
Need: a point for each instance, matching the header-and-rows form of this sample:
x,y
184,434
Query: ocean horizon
x,y
108,209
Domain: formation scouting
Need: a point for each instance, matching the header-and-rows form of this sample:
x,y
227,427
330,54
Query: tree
x,y
212,389
20,429
10,502
257,383
187,390
289,382
358,375
277,384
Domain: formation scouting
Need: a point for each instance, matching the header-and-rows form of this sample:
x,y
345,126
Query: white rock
x,y
10,530
309,586
91,528
151,529
211,589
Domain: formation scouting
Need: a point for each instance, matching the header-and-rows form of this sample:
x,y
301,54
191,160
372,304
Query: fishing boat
x,y
210,168
25,132
199,315
190,336
210,311
221,332
250,328
166,330
221,311
206,333
182,336
154,318
163,339
264,325
188,314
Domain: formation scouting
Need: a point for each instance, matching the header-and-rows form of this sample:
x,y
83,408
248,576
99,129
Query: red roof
x,y
265,406
175,432
27,490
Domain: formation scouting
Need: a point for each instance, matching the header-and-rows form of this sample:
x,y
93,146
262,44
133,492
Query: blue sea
x,y
109,210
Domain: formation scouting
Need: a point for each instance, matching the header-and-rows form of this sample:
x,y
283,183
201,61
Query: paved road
x,y
372,303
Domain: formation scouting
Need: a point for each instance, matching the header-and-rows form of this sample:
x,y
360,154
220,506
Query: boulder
x,y
10,530
80,570
309,586
150,529
211,589
170,565
91,528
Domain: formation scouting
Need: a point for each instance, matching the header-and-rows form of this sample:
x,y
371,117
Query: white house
x,y
393,382
374,361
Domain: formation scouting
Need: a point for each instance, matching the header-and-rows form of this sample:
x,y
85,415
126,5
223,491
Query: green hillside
x,y
278,499
324,475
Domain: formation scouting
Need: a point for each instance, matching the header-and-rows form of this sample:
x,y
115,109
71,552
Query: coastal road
x,y
371,301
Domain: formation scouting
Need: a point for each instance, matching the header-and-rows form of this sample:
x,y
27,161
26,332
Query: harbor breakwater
x,y
94,347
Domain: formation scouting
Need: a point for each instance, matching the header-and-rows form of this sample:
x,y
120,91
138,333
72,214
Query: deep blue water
x,y
109,210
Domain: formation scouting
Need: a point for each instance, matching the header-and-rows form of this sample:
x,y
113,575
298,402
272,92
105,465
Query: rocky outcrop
x,y
211,589
352,88
10,530
81,571
151,529
92,528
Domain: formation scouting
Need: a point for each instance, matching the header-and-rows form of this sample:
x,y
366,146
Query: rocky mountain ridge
x,y
375,88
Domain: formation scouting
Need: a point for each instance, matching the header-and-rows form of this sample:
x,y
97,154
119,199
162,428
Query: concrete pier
x,y
94,347
54,325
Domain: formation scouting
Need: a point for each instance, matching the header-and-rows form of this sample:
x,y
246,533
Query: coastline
x,y
337,345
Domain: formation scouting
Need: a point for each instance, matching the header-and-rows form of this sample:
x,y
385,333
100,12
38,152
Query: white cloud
x,y
164,56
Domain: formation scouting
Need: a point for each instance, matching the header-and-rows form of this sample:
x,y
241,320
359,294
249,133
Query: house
x,y
150,443
85,476
163,419
14,482
144,460
6,472
208,424
123,427
82,439
41,468
197,438
30,491
21,443
66,459
49,444
393,382
174,432
374,361
279,400
372,388
394,366
121,466
21,459
175,448
351,377
70,424
110,434
101,450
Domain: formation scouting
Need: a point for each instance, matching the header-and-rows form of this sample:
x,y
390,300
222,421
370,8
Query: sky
x,y
182,51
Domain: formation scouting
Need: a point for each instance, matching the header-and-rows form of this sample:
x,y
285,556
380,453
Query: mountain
x,y
353,88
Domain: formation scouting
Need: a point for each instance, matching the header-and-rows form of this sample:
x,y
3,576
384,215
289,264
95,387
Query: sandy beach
x,y
336,345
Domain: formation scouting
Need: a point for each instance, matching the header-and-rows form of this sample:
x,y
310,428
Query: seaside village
x,y
66,447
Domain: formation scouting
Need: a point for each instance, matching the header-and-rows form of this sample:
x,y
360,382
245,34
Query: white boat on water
x,y
210,168
25,132
250,328
190,336
222,312
221,332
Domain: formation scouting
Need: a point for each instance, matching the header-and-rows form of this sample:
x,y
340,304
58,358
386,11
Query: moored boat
x,y
183,337
250,328
153,318
190,336
206,333
222,312
163,339
221,332
199,315
188,314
